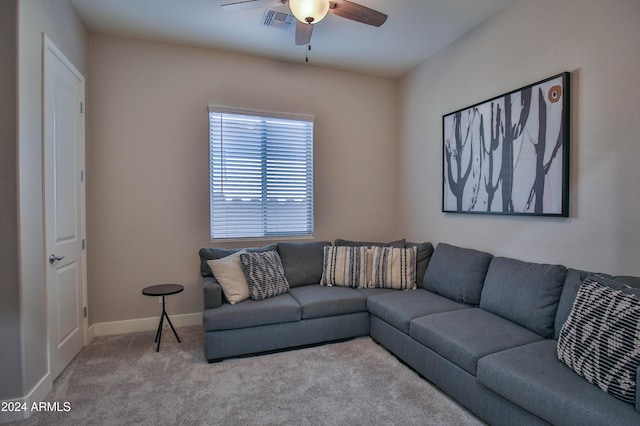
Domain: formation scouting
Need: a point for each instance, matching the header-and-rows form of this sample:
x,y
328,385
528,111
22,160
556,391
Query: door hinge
x,y
81,107
84,243
81,175
85,311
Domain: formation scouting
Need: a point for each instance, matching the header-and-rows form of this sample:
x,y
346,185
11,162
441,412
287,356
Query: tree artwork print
x,y
510,154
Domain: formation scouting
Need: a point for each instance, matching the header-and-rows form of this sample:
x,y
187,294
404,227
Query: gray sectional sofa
x,y
483,329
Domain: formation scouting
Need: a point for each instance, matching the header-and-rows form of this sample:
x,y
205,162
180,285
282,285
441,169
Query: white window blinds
x,y
261,174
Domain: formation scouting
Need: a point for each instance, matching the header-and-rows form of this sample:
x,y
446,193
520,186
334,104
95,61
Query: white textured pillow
x,y
228,271
394,268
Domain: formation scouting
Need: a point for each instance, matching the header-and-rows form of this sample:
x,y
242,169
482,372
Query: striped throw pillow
x,y
345,267
394,268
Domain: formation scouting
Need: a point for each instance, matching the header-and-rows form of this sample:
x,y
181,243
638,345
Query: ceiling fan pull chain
x,y
306,59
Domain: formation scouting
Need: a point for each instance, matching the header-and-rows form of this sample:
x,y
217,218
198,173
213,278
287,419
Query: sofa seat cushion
x,y
465,336
400,307
252,313
366,292
532,377
318,301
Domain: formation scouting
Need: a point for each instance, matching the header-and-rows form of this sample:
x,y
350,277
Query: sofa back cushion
x,y
302,261
524,292
348,243
457,273
570,289
633,282
425,251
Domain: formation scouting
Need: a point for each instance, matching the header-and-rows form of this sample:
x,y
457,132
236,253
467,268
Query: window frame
x,y
308,146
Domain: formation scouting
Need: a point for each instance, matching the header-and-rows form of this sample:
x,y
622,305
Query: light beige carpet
x,y
121,380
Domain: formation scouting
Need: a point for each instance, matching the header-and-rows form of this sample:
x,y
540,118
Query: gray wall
x,y
10,360
148,171
597,42
25,362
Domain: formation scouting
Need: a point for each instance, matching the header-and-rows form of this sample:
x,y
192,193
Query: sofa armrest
x,y
638,389
212,293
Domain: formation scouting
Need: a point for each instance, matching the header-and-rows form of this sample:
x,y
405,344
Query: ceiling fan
x,y
310,12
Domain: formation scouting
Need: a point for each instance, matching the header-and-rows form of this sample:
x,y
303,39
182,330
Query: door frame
x,y
48,45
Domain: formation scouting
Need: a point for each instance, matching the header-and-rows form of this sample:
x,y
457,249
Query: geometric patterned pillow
x,y
600,340
264,273
344,266
394,268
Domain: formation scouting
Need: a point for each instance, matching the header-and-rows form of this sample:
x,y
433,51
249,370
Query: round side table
x,y
163,290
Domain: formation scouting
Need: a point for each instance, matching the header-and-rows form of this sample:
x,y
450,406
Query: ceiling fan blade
x,y
357,12
303,33
238,6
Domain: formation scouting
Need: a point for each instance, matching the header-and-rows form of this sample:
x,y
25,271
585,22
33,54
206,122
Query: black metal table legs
x,y
159,332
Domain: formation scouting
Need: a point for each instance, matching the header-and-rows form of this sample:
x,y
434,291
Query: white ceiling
x,y
415,30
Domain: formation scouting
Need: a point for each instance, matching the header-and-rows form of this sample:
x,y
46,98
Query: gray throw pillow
x,y
264,273
457,273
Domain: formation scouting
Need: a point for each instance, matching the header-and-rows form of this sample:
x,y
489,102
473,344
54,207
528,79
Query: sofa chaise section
x,y
456,382
532,377
445,346
463,337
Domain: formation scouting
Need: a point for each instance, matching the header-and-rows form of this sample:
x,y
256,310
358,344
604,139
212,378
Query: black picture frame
x,y
510,160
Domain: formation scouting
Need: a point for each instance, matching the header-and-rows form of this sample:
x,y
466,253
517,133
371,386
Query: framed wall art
x,y
509,155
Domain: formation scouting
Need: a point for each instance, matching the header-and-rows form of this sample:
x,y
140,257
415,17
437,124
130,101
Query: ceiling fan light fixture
x,y
309,11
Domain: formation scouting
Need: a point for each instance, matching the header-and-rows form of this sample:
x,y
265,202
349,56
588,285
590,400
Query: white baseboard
x,y
141,324
37,394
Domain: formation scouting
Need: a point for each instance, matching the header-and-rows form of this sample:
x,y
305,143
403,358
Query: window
x,y
261,174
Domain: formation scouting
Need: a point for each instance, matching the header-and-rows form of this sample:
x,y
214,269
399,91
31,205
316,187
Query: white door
x,y
63,182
